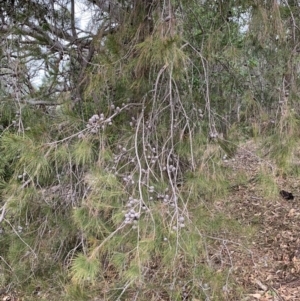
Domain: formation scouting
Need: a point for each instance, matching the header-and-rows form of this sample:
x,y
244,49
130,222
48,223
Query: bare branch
x,y
3,209
40,102
73,19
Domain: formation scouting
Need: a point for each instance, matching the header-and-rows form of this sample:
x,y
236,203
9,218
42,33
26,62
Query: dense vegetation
x,y
113,133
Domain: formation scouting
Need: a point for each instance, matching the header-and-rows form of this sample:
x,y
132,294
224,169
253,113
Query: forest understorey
x,y
267,265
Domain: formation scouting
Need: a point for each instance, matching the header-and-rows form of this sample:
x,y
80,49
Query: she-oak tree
x,y
107,164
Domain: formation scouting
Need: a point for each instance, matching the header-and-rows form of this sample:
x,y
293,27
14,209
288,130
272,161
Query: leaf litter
x,y
272,270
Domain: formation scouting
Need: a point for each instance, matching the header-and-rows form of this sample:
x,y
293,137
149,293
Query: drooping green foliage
x,y
111,164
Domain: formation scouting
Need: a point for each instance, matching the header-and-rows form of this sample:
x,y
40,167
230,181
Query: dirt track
x,y
269,267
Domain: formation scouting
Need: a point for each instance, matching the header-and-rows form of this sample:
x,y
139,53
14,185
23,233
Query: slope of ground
x,y
270,267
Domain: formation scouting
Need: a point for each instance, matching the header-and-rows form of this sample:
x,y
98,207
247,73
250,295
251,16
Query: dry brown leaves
x,y
271,271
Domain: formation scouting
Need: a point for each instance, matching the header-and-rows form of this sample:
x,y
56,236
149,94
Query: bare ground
x,y
269,266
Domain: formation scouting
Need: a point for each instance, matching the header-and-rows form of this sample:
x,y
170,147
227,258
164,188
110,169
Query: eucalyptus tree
x,y
48,41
